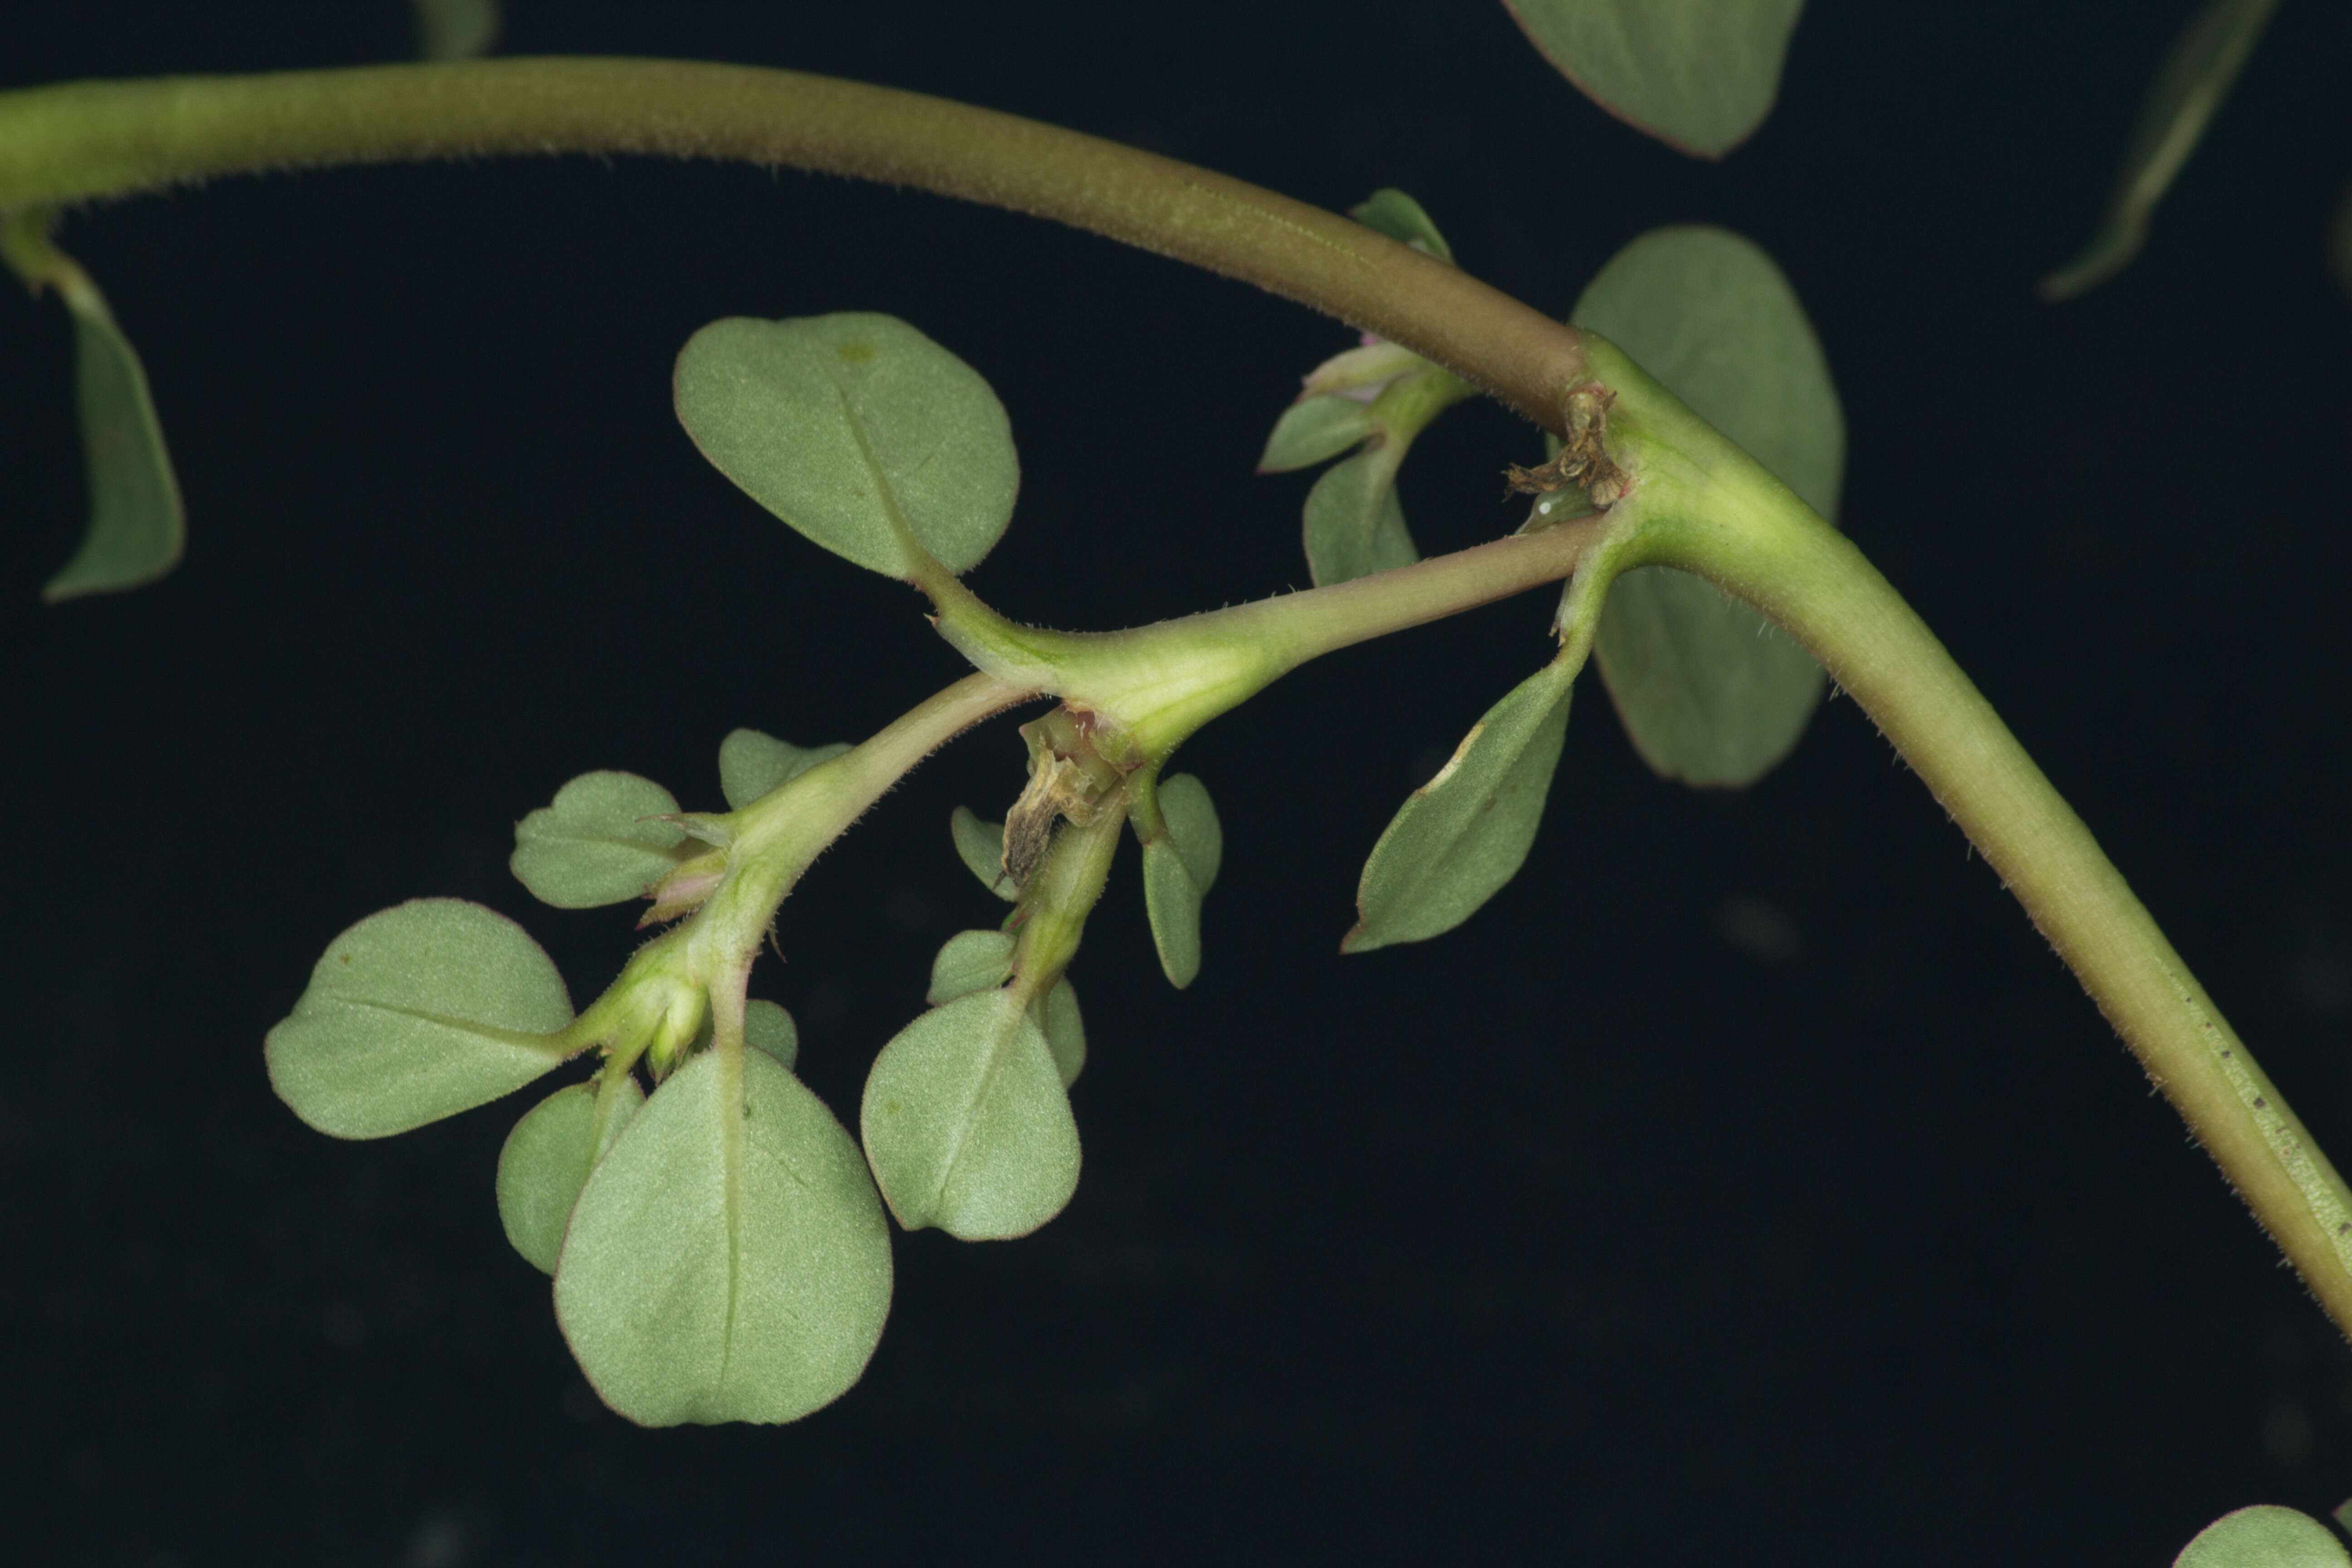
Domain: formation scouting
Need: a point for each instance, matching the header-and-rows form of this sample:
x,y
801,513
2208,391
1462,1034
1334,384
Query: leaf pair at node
x,y
1374,399
1708,691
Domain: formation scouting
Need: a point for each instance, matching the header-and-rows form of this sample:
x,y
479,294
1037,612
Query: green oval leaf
x,y
2264,1536
971,961
420,1012
546,1161
1465,833
1314,430
751,764
602,842
727,1261
2181,102
1183,846
1699,75
1354,524
966,1122
1066,1031
767,1027
857,430
980,847
1709,692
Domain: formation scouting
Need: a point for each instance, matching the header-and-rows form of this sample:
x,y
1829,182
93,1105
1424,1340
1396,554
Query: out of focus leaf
x,y
137,527
456,29
1396,215
1699,75
2188,92
1066,1032
1314,430
1355,525
1710,693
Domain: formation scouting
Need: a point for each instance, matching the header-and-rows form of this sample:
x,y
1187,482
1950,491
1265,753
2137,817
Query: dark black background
x,y
1747,1182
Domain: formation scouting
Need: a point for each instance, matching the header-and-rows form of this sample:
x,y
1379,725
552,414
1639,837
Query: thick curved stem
x,y
85,139
1703,506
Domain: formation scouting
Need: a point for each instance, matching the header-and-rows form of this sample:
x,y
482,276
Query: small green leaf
x,y
546,1161
2181,102
1183,846
1465,833
602,842
767,1027
967,1124
858,431
751,764
456,29
420,1012
1191,820
980,847
1396,215
2265,1536
727,1261
971,961
1066,1031
1314,430
1355,526
1709,692
137,526
1699,75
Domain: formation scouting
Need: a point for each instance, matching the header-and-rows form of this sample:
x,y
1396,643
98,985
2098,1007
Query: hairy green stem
x,y
1703,506
84,140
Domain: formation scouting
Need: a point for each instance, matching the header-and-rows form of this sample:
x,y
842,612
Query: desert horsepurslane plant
x,y
721,1249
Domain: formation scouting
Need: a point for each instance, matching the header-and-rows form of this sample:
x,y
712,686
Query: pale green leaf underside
x,y
1465,833
599,843
546,1161
2265,1536
456,29
751,764
1314,430
1709,694
1066,1030
860,432
767,1027
1391,211
727,1261
1354,524
1699,75
966,1122
2188,92
970,961
137,527
418,1013
980,847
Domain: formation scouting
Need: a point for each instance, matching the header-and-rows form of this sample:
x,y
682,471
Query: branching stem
x,y
1714,512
